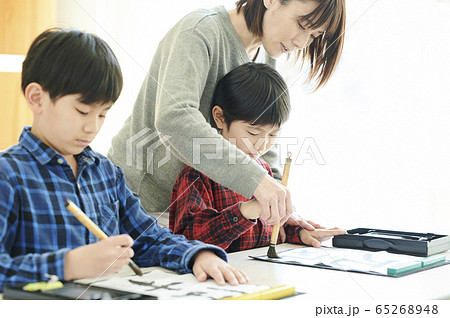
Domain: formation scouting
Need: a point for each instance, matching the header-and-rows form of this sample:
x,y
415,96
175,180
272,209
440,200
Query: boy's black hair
x,y
67,62
255,93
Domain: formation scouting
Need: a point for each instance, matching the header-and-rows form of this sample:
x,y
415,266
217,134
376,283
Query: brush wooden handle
x,y
85,220
91,226
284,181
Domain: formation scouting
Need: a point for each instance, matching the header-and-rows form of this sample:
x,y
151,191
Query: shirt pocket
x,y
109,216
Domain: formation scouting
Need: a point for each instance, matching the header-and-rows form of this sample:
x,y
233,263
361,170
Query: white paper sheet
x,y
173,286
346,259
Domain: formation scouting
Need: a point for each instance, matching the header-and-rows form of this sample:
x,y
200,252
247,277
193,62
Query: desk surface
x,y
320,283
324,284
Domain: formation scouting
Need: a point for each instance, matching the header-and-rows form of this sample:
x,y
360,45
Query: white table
x,y
325,284
320,283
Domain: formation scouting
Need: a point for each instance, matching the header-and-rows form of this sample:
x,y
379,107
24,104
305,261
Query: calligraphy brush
x,y
272,253
91,226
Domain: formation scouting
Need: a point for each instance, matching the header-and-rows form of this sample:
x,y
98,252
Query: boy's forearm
x,y
31,267
220,228
175,252
154,245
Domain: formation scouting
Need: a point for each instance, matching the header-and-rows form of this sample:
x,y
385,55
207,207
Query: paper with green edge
x,y
405,268
433,260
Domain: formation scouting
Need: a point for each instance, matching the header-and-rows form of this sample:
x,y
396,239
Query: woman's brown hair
x,y
324,52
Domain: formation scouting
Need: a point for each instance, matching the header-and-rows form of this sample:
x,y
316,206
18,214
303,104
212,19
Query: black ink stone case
x,y
410,243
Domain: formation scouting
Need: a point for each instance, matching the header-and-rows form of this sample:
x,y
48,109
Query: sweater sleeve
x,y
183,66
196,218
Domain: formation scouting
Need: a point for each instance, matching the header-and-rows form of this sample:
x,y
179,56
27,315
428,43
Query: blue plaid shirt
x,y
36,229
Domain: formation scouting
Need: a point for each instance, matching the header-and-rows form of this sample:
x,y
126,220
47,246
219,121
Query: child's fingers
x,y
216,274
307,239
316,225
306,225
229,275
126,252
201,277
123,240
119,263
339,229
315,243
328,233
241,276
234,276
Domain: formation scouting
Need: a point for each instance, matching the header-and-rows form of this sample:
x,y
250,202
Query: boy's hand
x,y
296,220
251,210
105,257
275,200
314,238
207,264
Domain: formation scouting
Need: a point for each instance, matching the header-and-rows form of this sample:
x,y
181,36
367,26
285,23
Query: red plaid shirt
x,y
204,210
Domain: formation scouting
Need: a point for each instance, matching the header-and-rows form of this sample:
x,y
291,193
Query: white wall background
x,y
381,123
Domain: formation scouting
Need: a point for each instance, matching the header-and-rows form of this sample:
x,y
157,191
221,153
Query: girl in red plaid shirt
x,y
250,105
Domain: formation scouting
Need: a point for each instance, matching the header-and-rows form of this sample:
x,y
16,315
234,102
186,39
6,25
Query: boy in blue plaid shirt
x,y
70,80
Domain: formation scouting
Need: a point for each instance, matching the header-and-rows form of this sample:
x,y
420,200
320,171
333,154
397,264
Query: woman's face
x,y
283,30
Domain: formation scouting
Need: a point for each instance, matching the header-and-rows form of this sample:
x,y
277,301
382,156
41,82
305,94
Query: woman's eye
x,y
301,26
252,134
82,113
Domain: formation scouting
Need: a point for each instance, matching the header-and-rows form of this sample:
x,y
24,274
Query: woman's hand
x,y
275,200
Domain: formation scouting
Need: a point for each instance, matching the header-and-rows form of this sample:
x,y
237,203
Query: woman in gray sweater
x,y
169,126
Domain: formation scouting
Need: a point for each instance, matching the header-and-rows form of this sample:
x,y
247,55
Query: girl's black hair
x,y
67,62
255,93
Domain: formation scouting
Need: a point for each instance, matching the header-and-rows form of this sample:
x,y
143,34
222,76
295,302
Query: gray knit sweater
x,y
169,126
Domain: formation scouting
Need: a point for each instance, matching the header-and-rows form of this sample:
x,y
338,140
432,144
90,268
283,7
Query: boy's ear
x,y
217,114
34,94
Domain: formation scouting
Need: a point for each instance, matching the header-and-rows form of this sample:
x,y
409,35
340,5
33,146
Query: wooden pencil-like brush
x,y
91,226
272,253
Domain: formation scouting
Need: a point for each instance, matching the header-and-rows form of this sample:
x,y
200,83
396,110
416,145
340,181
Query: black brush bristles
x,y
272,252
